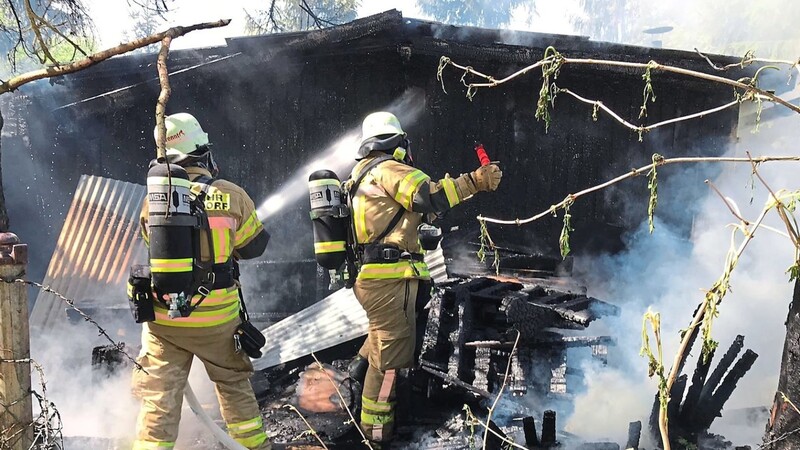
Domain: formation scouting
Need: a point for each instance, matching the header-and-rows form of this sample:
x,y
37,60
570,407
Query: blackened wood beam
x,y
719,371
675,398
698,380
713,408
634,435
549,429
529,428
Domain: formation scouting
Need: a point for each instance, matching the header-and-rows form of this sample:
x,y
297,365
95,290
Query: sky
x,y
111,24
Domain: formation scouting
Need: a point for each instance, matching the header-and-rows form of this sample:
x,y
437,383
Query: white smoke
x,y
670,275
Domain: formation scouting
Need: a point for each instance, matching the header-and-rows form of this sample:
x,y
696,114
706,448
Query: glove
x,y
487,178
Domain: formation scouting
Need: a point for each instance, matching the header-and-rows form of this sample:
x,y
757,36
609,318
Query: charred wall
x,y
278,101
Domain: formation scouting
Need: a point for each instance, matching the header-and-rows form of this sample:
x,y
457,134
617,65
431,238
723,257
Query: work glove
x,y
487,178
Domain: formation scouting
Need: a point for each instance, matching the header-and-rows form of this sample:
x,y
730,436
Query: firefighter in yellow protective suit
x,y
169,345
389,201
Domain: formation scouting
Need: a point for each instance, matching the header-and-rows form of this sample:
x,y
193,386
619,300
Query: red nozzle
x,y
482,156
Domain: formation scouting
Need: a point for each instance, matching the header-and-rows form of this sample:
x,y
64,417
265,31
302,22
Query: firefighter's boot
x,y
357,369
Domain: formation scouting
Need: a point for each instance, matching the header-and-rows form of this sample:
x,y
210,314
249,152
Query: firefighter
x,y
390,200
169,345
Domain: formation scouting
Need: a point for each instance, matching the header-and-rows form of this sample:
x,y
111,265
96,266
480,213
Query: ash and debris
x,y
466,335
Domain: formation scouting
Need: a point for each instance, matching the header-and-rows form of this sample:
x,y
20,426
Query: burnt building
x,y
274,104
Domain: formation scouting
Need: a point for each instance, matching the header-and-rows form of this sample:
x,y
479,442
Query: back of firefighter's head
x,y
187,144
381,131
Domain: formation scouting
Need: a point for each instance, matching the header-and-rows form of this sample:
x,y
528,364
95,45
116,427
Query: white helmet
x,y
184,135
378,124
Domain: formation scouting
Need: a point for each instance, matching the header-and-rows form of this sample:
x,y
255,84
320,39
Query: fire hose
x,y
219,433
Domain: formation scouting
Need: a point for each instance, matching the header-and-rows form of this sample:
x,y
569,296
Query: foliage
x,y
479,13
652,186
549,90
34,29
655,365
566,229
146,21
282,16
488,244
648,94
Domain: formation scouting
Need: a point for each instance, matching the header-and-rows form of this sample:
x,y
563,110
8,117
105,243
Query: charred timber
x,y
783,419
698,380
724,363
455,381
549,429
529,428
634,435
712,409
705,398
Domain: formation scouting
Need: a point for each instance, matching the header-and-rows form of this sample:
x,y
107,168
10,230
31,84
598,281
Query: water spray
x,y
338,156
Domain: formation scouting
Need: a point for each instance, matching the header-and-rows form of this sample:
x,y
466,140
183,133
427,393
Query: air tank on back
x,y
171,228
329,219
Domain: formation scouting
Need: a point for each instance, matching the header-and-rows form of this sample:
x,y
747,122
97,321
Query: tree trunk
x,y
3,211
784,419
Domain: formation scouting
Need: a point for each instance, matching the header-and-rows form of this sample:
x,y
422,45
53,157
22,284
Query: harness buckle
x,y
391,254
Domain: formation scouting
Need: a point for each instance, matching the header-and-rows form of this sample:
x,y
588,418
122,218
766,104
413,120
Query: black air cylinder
x,y
171,228
329,219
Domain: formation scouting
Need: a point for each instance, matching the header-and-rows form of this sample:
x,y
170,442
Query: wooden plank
x,y
16,414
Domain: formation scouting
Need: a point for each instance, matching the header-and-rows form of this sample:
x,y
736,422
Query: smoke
x,y
339,156
669,274
90,404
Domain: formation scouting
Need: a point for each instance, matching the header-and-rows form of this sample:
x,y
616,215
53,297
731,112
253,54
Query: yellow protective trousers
x,y
390,305
166,356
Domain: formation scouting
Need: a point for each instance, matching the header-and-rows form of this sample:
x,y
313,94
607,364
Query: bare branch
x,y
33,19
163,97
646,128
791,225
502,388
634,173
677,364
365,441
748,59
17,81
485,425
652,65
310,428
727,202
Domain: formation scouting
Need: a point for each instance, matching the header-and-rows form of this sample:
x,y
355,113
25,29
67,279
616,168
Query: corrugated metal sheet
x,y
98,242
333,320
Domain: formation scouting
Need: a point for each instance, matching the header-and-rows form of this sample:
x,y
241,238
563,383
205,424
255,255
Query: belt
x,y
386,253
225,275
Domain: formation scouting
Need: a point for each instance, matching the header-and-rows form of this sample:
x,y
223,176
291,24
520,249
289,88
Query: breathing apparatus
x,y
330,218
177,221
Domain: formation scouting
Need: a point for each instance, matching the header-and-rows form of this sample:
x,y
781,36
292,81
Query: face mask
x,y
212,166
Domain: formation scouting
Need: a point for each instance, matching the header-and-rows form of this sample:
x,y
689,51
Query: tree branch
x,y
677,364
748,59
652,65
163,97
32,19
634,173
17,81
502,388
646,128
365,441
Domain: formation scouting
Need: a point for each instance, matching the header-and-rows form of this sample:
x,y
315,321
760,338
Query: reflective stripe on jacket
x,y
388,188
235,232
